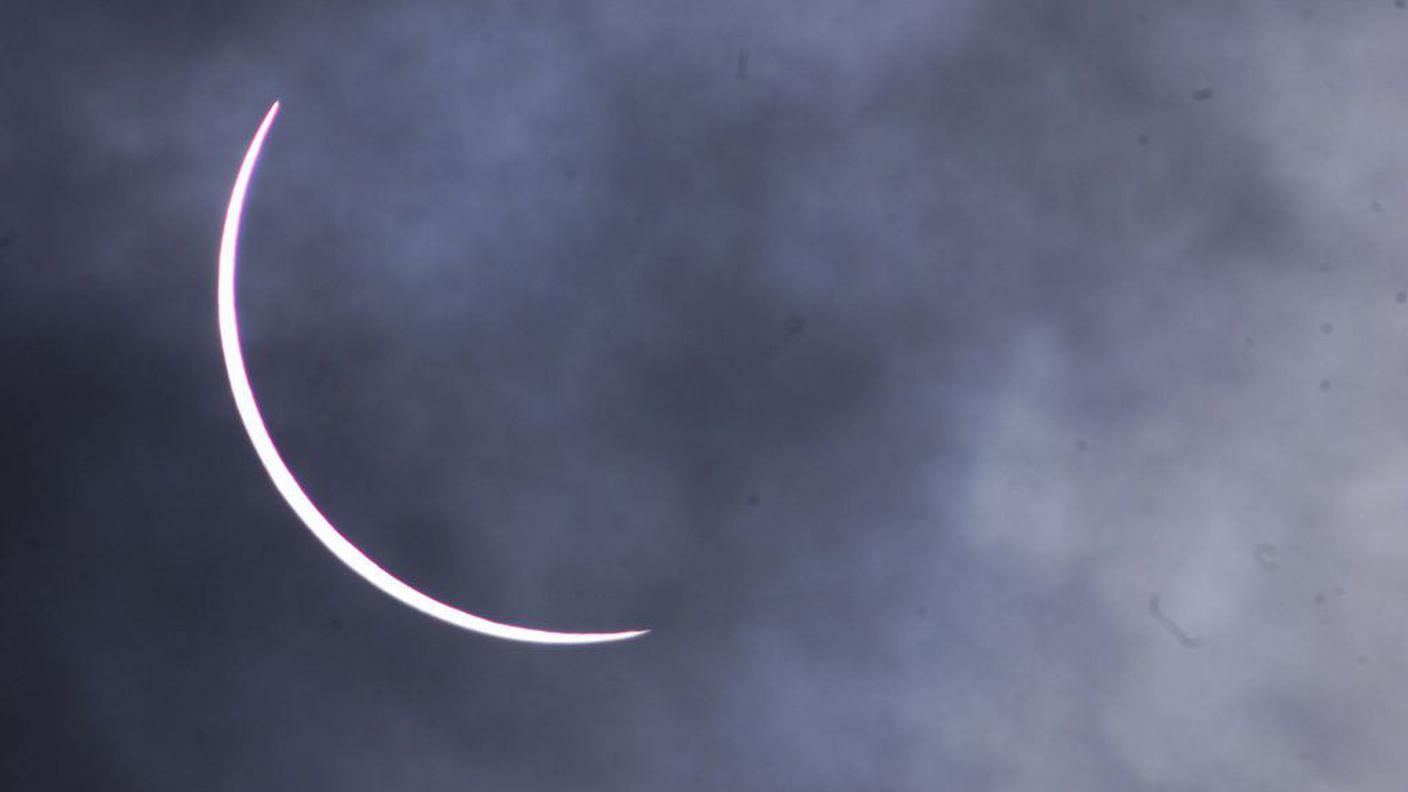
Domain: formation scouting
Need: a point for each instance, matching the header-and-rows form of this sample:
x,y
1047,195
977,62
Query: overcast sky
x,y
970,394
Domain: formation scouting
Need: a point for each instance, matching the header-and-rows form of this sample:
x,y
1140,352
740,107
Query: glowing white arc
x,y
284,480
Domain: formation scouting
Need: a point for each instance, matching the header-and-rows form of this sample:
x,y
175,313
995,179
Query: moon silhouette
x,y
283,478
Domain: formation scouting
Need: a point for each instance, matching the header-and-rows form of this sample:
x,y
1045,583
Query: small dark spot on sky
x,y
335,623
1184,639
792,328
638,217
1361,659
1266,556
1143,139
1082,445
35,544
1248,342
1327,328
1338,591
1401,3
1325,385
921,611
1320,598
571,173
6,239
1202,94
742,68
753,499
1376,206
1402,297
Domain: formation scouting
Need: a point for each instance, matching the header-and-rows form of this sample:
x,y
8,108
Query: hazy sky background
x,y
971,395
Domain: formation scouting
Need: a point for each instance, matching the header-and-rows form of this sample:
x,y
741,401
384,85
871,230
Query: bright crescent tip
x,y
289,487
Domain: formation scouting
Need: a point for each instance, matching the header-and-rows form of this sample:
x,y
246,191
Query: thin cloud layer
x,y
988,396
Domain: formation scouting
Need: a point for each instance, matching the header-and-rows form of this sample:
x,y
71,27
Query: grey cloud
x,y
889,370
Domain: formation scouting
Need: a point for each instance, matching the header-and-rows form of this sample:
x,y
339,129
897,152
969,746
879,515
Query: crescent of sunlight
x,y
289,487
